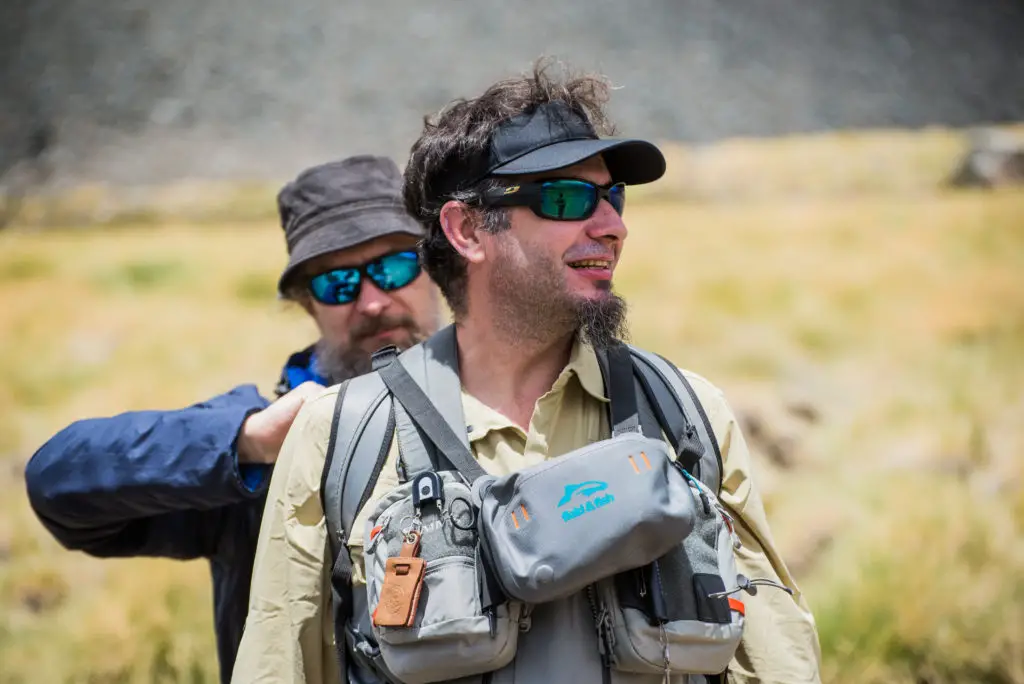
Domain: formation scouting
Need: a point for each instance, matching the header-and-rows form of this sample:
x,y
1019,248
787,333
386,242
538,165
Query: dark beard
x,y
338,365
534,305
601,323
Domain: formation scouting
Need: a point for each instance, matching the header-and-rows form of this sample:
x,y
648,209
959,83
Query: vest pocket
x,y
453,633
451,637
689,646
673,615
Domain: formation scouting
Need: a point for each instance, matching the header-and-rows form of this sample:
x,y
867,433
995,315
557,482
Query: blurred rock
x,y
762,436
995,158
774,427
804,410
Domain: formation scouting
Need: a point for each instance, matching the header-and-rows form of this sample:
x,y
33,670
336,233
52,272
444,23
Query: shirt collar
x,y
582,364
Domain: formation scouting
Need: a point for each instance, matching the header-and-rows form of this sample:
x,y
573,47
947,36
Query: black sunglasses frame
x,y
531,194
364,275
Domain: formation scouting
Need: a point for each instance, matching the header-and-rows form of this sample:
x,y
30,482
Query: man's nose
x,y
606,223
372,300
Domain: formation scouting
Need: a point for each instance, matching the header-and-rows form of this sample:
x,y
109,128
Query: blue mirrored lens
x,y
339,286
393,271
389,272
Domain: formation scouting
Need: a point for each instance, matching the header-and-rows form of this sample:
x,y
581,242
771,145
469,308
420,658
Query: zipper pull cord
x,y
750,586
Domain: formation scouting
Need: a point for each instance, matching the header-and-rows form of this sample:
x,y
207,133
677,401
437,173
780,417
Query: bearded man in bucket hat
x,y
523,203
192,483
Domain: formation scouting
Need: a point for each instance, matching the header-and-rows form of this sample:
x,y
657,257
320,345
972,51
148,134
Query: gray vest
x,y
558,641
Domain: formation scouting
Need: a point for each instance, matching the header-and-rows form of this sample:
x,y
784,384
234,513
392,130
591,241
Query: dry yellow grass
x,y
895,310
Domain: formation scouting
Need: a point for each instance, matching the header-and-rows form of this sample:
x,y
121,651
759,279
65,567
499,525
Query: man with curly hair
x,y
521,200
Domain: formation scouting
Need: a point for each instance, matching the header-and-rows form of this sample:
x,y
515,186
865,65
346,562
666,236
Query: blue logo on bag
x,y
584,490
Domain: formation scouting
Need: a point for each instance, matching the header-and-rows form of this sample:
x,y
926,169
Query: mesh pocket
x,y
445,607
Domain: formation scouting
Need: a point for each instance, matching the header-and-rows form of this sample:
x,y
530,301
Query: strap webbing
x,y
671,418
412,450
621,390
422,411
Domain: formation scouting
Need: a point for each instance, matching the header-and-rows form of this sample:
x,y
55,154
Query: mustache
x,y
368,327
589,252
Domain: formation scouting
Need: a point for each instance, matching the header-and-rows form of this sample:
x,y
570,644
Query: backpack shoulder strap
x,y
674,402
624,410
428,398
436,371
360,438
361,435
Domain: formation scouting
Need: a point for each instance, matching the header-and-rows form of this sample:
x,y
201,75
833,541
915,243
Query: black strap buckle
x,y
383,357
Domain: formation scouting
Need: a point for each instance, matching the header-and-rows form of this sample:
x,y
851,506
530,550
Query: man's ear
x,y
461,225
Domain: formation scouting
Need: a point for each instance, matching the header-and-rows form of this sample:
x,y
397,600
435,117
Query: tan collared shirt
x,y
289,633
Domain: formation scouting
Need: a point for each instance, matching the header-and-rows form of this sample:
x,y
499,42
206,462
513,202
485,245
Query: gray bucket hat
x,y
339,205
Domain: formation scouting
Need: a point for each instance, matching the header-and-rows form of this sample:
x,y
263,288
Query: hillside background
x,y
135,91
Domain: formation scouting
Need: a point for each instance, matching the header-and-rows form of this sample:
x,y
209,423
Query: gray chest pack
x,y
456,561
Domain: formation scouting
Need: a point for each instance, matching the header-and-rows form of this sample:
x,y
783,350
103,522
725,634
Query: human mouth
x,y
595,269
591,263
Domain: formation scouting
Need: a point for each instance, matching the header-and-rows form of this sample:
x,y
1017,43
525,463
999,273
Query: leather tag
x,y
400,592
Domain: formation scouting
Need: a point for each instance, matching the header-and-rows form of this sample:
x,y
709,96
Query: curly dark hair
x,y
462,131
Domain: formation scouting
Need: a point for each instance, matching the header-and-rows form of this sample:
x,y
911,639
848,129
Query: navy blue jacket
x,y
168,484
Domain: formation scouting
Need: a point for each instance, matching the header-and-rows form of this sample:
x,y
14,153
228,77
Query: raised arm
x,y
146,482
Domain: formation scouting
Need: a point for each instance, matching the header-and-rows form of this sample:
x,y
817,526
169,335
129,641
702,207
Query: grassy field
x,y
866,324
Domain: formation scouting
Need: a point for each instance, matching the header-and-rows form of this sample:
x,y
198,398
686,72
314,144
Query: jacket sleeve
x,y
146,483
